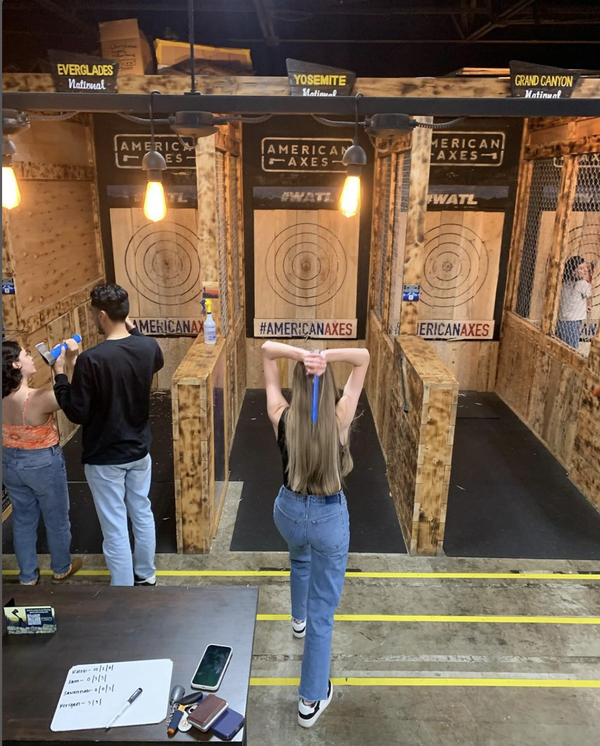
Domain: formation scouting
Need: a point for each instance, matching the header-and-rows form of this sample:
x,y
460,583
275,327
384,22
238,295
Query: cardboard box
x,y
169,53
124,42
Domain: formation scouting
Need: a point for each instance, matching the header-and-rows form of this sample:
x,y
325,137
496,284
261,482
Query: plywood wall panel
x,y
53,242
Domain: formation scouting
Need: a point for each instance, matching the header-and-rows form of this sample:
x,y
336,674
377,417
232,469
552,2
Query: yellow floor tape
x,y
350,574
478,619
400,681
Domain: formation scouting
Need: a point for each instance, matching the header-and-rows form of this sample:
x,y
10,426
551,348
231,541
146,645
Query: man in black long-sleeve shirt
x,y
110,397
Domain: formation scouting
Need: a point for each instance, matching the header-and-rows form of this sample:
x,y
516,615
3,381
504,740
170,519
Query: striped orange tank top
x,y
30,436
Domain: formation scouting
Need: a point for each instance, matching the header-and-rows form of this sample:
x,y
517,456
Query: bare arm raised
x,y
346,407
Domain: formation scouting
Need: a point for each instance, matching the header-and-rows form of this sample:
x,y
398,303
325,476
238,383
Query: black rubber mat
x,y
256,461
509,497
477,405
85,528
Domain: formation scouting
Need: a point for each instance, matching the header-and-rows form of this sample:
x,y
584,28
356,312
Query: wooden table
x,y
106,624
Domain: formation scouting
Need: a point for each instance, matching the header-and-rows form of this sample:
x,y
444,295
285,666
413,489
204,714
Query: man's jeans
x,y
317,532
119,491
36,481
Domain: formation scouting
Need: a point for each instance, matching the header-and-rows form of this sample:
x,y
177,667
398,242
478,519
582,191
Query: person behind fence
x,y
33,469
110,397
310,511
575,293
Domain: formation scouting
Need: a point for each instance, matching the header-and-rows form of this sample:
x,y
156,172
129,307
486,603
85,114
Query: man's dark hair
x,y
11,377
113,299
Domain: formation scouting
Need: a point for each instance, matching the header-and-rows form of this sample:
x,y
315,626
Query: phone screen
x,y
211,666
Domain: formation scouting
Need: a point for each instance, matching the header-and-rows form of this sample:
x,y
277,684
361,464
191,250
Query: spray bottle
x,y
210,328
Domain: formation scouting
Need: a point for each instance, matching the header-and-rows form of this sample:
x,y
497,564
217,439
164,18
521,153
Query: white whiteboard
x,y
94,693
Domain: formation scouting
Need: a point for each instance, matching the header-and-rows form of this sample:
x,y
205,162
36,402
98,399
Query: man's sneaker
x,y
151,581
309,714
298,627
75,566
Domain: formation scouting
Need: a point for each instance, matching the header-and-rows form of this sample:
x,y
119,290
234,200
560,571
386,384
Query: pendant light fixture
x,y
155,205
354,159
12,123
11,195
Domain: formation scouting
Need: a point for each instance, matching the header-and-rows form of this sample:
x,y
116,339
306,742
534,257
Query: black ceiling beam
x,y
65,15
265,19
420,41
499,19
328,105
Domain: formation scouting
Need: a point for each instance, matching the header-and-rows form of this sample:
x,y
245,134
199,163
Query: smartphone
x,y
227,725
212,667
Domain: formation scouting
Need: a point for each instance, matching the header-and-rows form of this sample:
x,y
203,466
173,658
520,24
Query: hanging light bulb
x,y
11,196
354,159
155,205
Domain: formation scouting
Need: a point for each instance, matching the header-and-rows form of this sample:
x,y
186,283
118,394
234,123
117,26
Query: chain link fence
x,y
222,242
579,279
384,188
398,241
537,242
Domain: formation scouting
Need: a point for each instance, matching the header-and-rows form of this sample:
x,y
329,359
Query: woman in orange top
x,y
33,468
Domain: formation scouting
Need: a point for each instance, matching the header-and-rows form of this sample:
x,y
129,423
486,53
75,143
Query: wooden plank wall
x,y
417,443
545,382
51,242
193,446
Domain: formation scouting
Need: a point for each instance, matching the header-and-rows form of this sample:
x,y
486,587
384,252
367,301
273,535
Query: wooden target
x,y
158,263
305,264
461,256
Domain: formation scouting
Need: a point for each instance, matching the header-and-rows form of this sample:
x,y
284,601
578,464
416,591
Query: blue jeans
x,y
317,532
36,482
569,332
121,491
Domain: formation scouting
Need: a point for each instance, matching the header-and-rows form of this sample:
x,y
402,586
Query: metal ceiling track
x,y
301,105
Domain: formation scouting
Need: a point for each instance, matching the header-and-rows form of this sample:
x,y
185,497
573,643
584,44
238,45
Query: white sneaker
x,y
299,627
309,714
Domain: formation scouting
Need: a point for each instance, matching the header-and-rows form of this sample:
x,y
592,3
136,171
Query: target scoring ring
x,y
456,266
162,263
306,265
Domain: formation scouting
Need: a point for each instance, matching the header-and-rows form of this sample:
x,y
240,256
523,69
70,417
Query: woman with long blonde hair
x,y
310,510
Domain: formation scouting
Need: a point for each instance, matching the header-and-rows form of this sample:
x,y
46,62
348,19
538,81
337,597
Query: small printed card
x,y
29,620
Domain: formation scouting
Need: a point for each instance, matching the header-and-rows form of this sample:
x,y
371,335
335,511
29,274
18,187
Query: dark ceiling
x,y
380,38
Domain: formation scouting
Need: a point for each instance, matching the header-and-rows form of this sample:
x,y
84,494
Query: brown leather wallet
x,y
207,712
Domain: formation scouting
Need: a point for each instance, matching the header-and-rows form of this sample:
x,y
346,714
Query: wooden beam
x,y
588,144
556,258
415,224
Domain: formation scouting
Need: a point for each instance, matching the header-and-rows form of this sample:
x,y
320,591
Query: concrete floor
x,y
423,715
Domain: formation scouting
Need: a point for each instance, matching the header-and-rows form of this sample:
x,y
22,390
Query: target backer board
x,y
460,275
159,266
305,274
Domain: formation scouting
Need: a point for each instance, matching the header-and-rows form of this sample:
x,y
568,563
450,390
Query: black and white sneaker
x,y
298,627
151,581
309,714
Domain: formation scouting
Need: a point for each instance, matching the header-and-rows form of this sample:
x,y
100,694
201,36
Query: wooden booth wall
x,y
545,381
412,393
209,384
51,242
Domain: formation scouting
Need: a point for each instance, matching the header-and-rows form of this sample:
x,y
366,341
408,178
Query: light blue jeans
x,y
569,332
317,532
119,491
36,481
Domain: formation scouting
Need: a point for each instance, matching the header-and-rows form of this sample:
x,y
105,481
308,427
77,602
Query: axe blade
x,y
45,353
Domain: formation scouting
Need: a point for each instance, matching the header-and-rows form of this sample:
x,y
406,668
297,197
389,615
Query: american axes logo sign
x,y
528,80
308,79
79,72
